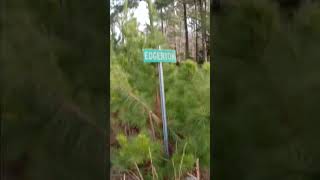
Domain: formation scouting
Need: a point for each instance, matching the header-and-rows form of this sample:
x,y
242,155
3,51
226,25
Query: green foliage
x,y
135,150
182,162
124,100
132,81
188,106
162,3
133,90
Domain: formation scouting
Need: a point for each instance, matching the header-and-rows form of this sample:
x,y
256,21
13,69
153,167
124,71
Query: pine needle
x,y
154,172
174,169
138,171
134,175
152,128
181,161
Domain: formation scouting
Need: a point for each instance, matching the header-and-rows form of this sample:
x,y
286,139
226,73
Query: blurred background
x,y
266,78
53,90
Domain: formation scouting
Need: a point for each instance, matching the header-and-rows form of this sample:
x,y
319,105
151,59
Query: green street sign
x,y
159,55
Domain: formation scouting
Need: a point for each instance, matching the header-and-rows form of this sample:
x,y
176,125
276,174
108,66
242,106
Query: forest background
x,y
136,138
265,59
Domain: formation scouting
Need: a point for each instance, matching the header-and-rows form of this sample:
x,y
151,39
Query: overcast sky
x,y
142,15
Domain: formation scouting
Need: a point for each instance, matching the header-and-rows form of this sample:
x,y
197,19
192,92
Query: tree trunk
x,y
162,21
203,28
180,42
186,29
150,15
196,29
175,37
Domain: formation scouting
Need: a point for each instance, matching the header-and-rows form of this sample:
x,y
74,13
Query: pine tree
x,y
133,88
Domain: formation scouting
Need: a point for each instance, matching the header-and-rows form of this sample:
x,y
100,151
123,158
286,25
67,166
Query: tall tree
x,y
196,29
203,27
161,5
184,3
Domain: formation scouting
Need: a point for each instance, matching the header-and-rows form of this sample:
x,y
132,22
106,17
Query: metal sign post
x,y
161,56
163,109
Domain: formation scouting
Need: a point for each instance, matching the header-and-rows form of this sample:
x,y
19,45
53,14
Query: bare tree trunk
x,y
150,15
180,41
196,29
162,21
166,28
203,28
175,39
186,29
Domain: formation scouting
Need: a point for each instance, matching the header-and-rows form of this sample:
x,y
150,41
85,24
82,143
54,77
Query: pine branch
x,y
154,116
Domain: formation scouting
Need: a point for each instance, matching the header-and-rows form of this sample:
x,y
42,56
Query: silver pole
x,y
163,109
